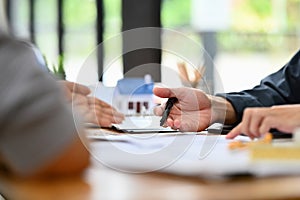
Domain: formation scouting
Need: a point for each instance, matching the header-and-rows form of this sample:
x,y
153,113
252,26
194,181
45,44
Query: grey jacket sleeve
x,y
281,87
36,124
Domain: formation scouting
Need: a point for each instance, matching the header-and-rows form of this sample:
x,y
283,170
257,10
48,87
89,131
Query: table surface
x,y
103,183
100,182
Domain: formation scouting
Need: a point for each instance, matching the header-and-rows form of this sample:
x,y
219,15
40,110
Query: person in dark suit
x,y
273,104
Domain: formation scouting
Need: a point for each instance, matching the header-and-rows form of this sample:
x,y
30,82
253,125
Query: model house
x,y
134,96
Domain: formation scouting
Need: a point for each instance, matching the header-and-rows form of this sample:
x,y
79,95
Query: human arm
x,y
257,122
38,134
195,110
41,137
64,163
281,87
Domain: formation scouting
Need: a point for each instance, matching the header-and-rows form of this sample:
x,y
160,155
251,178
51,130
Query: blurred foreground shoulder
x,y
39,133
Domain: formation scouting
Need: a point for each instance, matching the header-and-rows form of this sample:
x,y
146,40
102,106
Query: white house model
x,y
134,96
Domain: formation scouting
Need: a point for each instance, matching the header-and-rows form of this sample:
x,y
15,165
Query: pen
x,y
168,108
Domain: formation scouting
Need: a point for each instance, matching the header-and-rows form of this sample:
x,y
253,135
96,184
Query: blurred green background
x,y
255,24
269,27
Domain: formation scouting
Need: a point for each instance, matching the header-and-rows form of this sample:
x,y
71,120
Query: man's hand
x,y
258,121
192,112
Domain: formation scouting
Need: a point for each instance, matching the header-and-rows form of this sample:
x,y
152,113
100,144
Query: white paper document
x,y
142,124
188,154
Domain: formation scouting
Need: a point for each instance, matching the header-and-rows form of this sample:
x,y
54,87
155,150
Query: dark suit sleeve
x,y
281,87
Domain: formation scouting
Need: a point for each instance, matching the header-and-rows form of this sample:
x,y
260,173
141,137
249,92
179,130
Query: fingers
x,y
158,110
96,101
78,99
170,123
104,114
80,89
247,121
182,123
113,114
80,103
106,119
163,93
266,125
234,132
185,114
96,111
93,109
105,108
76,87
255,123
174,124
177,124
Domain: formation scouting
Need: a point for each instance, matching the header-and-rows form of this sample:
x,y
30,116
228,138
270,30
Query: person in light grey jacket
x,y
38,134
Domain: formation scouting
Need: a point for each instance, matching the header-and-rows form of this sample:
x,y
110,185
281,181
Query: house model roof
x,y
129,86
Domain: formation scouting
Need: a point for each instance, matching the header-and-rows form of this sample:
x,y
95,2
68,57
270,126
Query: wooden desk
x,y
103,183
99,182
